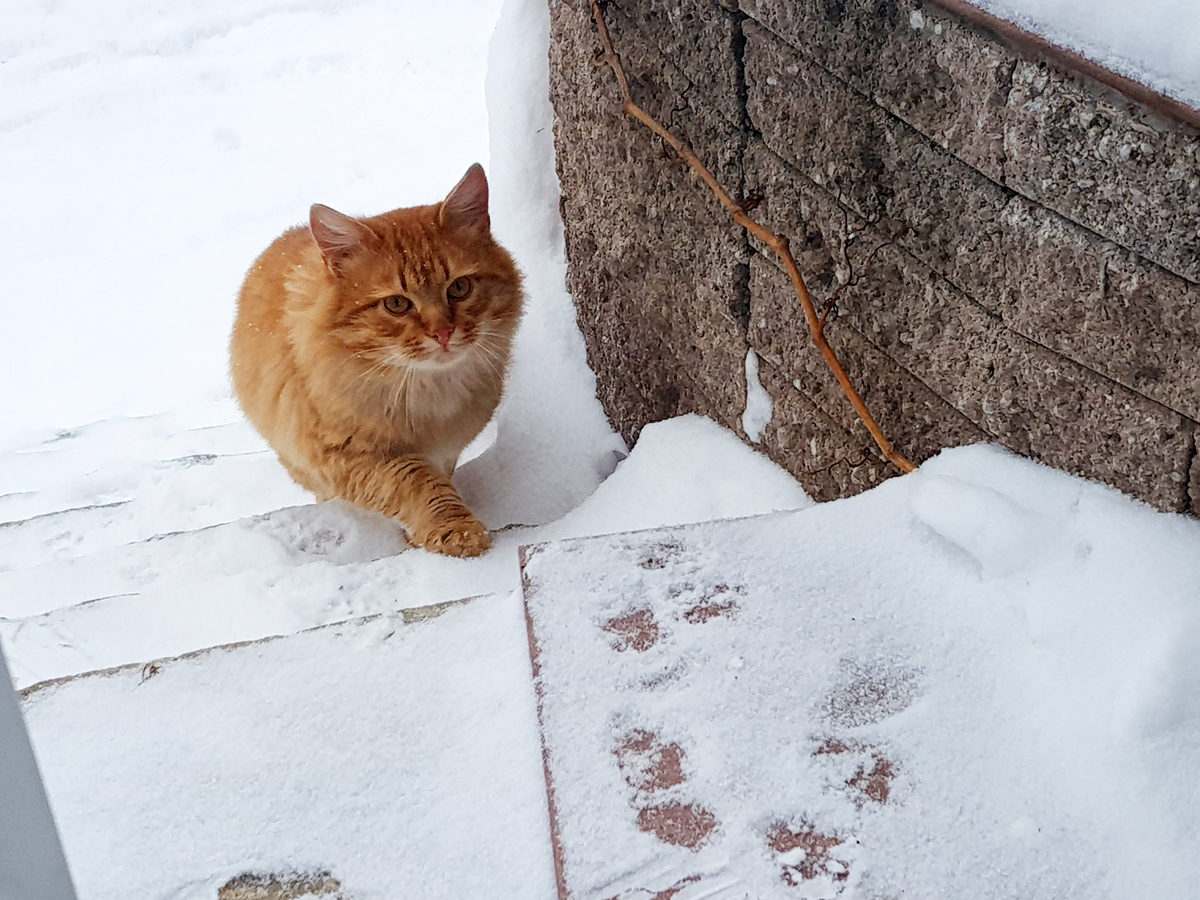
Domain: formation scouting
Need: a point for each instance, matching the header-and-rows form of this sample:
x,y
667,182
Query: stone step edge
x,y
150,668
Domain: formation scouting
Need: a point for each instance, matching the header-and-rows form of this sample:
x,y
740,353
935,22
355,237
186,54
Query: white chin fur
x,y
430,359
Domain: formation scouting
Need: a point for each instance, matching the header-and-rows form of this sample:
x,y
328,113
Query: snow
x,y
554,444
395,756
79,595
1019,646
155,149
1156,43
160,148
759,408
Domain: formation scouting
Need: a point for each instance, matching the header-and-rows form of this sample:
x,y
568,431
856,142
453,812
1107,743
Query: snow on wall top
x,y
1156,42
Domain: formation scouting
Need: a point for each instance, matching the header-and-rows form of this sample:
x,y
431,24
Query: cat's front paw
x,y
462,537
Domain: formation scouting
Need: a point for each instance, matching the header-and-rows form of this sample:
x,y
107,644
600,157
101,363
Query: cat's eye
x,y
397,305
458,288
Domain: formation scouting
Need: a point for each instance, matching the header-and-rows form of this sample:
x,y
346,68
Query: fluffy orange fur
x,y
369,352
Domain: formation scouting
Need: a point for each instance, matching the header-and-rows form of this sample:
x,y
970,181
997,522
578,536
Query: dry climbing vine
x,y
777,242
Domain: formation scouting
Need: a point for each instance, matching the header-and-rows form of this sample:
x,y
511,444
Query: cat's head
x,y
424,287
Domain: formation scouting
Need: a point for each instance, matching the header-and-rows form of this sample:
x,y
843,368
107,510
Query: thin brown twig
x,y
830,307
777,242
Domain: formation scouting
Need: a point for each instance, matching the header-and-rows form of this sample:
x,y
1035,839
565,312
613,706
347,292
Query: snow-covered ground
x,y
400,758
159,149
151,150
980,680
217,547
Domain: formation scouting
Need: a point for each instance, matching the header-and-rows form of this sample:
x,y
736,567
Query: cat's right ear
x,y
338,235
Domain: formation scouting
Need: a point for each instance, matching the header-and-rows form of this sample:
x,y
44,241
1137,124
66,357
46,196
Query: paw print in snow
x,y
636,630
873,784
811,861
717,602
654,770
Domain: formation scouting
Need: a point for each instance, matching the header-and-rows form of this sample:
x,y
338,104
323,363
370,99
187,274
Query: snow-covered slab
x,y
170,496
273,543
303,566
275,574
128,479
978,681
397,755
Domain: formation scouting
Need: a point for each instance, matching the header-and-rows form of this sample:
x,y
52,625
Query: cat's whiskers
x,y
367,373
399,391
492,356
410,384
494,366
365,382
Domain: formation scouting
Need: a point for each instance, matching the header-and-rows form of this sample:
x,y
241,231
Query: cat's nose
x,y
442,336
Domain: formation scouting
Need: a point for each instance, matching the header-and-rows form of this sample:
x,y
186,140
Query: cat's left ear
x,y
337,235
467,205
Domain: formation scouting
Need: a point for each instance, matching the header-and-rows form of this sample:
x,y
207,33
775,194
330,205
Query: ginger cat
x,y
370,352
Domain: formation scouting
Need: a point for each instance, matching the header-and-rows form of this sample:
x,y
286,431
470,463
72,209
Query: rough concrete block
x,y
827,460
1108,164
914,59
657,270
845,258
948,213
964,311
1032,400
917,421
834,247
819,230
700,38
1015,390
1102,306
1124,171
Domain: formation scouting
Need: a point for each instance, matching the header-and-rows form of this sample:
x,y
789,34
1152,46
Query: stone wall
x,y
1014,245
